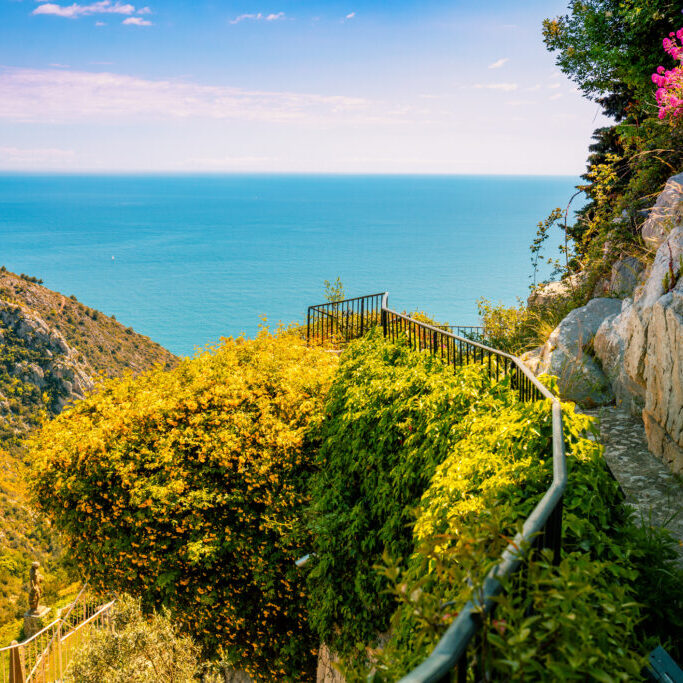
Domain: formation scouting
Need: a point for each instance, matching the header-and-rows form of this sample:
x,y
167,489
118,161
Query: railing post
x,y
16,665
552,534
308,326
383,316
362,315
59,651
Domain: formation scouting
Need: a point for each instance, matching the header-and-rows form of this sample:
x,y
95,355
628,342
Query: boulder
x,y
663,412
665,214
568,354
609,347
624,276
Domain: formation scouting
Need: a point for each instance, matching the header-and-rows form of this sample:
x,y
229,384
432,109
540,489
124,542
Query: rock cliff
x,y
52,348
641,347
629,348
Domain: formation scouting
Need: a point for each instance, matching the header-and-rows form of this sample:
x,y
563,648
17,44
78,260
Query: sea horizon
x,y
187,258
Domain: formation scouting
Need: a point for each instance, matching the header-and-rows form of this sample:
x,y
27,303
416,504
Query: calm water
x,y
188,259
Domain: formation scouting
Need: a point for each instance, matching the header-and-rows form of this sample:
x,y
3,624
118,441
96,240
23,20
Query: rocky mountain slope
x,y
52,349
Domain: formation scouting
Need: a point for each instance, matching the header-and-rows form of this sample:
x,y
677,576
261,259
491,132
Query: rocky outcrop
x,y
624,277
567,354
54,364
665,214
635,354
547,293
641,348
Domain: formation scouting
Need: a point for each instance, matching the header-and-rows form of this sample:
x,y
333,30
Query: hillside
x,y
52,350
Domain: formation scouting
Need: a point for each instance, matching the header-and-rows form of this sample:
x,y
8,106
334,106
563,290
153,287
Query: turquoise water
x,y
188,259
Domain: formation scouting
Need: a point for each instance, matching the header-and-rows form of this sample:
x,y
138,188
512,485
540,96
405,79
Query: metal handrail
x,y
92,617
43,652
545,520
33,637
355,298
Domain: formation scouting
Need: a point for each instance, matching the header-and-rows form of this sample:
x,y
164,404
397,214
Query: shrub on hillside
x,y
591,618
186,488
391,416
135,649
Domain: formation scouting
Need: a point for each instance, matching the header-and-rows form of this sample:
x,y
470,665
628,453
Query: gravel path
x,y
650,487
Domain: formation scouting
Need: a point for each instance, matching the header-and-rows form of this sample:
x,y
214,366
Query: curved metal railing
x,y
544,524
46,655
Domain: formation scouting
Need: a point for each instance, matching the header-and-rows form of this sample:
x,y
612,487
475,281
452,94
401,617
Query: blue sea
x,y
188,259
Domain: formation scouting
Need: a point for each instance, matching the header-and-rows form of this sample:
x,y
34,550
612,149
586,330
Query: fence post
x,y
383,316
16,665
59,651
362,314
552,534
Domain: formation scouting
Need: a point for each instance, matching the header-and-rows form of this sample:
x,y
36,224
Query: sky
x,y
305,86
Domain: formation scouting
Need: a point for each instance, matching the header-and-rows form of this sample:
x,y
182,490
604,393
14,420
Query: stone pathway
x,y
650,487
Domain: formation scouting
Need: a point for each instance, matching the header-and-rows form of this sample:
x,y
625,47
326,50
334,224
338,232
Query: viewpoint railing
x,y
544,524
46,655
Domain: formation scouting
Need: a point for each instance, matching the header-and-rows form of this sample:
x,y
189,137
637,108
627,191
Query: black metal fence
x,y
474,332
341,321
543,526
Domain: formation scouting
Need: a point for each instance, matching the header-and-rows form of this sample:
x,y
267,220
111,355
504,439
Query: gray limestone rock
x,y
624,277
641,348
568,354
59,363
666,214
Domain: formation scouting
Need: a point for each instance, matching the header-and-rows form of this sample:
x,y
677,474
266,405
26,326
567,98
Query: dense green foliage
x,y
188,485
198,488
494,467
611,48
390,418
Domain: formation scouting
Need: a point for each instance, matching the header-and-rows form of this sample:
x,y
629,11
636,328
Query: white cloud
x,y
497,64
350,15
136,21
144,10
556,96
507,87
62,96
554,86
59,66
74,11
17,156
259,16
519,103
531,88
100,23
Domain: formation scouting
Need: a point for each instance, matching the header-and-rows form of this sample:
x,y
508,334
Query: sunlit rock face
x,y
641,348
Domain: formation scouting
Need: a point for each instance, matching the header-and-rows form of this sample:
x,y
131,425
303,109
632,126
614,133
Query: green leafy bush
x,y
391,416
188,487
590,618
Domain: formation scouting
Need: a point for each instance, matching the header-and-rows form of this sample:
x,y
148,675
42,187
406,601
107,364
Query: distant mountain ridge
x,y
52,350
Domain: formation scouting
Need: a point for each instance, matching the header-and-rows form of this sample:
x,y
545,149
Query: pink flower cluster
x,y
670,83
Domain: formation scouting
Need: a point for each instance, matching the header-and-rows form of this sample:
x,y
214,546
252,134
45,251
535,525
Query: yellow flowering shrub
x,y
186,488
